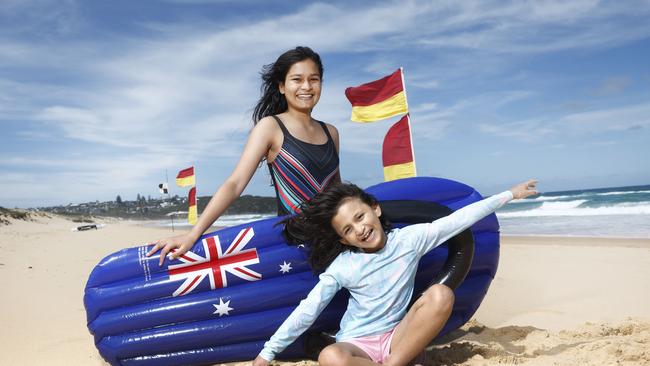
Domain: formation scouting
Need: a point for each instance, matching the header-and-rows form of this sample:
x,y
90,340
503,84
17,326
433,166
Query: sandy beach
x,y
555,300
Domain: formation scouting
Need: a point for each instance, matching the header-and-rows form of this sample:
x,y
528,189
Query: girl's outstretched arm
x,y
300,319
443,229
258,145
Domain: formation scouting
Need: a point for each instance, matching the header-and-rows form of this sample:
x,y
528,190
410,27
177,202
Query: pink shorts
x,y
376,346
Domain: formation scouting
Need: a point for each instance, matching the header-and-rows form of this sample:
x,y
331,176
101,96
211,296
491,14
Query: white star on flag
x,y
222,308
285,267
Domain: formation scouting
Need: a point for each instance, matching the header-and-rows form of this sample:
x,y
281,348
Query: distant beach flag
x,y
192,213
162,187
397,151
379,99
185,177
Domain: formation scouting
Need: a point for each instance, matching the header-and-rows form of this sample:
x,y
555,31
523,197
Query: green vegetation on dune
x,y
7,213
148,208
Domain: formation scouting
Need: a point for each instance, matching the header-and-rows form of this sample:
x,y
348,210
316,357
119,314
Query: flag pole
x,y
406,100
196,195
168,196
408,120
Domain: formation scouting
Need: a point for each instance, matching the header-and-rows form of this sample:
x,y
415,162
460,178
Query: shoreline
x,y
576,240
504,235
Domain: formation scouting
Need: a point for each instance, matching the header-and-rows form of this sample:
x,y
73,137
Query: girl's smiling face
x,y
302,85
359,226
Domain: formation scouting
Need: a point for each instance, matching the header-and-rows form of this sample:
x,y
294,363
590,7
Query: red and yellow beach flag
x,y
397,152
379,99
192,213
186,178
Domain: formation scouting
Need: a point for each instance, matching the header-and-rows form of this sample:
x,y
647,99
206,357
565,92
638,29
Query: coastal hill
x,y
147,208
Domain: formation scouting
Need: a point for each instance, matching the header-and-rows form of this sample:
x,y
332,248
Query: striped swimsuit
x,y
302,169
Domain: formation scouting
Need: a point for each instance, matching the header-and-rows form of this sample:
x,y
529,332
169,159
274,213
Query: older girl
x,y
301,152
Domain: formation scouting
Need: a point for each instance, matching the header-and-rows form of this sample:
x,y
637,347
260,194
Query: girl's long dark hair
x,y
313,225
272,102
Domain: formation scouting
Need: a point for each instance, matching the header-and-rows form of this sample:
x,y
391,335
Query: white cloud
x,y
426,83
47,17
423,108
575,124
612,85
528,130
533,27
47,180
611,119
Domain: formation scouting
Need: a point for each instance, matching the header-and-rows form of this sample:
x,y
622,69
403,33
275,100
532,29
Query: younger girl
x,y
349,244
301,152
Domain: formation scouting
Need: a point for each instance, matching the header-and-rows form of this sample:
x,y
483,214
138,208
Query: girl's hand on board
x,y
178,245
525,189
259,361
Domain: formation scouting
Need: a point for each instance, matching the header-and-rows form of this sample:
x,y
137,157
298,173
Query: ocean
x,y
180,222
605,212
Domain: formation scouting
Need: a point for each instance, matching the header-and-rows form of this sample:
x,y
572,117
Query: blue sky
x,y
99,98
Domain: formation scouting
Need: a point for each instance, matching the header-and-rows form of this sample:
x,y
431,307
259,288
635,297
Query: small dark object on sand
x,y
86,227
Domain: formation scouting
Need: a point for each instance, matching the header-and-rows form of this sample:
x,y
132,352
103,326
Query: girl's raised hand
x,y
525,189
181,244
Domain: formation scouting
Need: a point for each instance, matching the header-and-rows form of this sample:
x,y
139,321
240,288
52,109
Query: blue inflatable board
x,y
222,300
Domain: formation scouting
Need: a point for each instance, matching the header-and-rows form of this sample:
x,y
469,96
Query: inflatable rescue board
x,y
223,299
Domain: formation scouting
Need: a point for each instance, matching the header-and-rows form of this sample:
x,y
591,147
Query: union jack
x,y
216,264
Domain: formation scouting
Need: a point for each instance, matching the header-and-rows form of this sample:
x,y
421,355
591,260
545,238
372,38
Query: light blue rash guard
x,y
380,283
